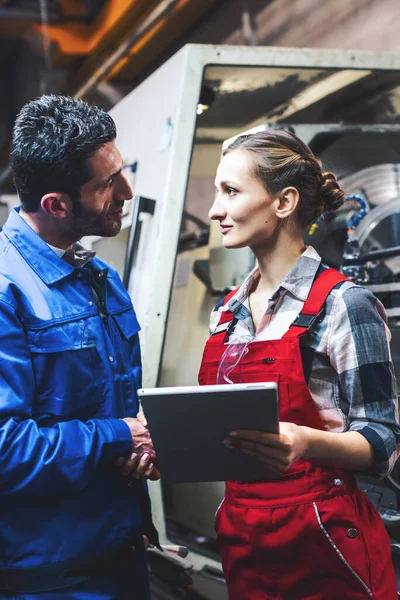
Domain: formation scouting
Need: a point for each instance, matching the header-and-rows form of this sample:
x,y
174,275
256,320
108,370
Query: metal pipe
x,y
157,15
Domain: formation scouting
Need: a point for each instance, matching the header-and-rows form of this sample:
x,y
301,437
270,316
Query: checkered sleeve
x,y
359,351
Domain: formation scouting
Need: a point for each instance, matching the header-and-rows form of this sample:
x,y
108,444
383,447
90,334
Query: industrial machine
x,y
171,129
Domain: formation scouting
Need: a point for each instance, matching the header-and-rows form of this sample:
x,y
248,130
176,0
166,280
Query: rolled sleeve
x,y
383,443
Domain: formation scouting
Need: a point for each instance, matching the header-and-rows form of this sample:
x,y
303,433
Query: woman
x,y
310,534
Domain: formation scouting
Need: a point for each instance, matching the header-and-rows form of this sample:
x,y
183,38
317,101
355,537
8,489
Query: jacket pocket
x,y
124,330
67,371
127,323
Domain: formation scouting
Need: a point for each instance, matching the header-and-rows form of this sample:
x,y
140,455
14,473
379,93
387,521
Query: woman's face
x,y
242,205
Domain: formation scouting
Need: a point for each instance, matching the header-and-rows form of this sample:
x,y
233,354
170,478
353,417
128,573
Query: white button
x,y
338,482
79,275
101,274
90,303
111,358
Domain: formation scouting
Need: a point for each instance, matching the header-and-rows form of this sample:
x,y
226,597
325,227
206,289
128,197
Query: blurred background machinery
x,y
103,49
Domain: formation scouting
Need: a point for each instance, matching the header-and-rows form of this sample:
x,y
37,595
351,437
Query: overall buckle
x,y
306,321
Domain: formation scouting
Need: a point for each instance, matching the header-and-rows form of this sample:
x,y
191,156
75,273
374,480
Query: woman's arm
x,y
355,341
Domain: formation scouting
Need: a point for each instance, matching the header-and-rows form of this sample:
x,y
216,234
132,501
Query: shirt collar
x,y
59,251
77,256
297,282
35,251
300,278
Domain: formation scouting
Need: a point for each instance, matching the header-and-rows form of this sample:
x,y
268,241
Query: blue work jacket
x,y
66,379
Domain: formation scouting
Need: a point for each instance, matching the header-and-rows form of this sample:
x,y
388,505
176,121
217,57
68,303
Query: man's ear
x,y
56,204
288,199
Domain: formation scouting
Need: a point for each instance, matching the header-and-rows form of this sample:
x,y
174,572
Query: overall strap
x,y
315,302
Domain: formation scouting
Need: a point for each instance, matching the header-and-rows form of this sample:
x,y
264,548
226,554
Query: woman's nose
x,y
217,210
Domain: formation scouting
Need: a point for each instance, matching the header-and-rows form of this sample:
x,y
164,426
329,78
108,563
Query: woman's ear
x,y
288,199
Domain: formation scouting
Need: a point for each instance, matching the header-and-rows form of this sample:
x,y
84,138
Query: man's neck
x,y
41,224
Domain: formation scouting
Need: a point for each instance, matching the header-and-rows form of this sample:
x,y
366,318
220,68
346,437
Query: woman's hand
x,y
277,451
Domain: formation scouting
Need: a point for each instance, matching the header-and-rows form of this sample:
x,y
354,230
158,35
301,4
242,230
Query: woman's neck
x,y
277,260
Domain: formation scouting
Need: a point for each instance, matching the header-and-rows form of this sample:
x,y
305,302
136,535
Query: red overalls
x,y
312,535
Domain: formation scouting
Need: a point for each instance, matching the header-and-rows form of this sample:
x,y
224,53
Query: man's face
x,y
98,211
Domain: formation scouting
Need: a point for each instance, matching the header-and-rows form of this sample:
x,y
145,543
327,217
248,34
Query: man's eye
x,y
110,182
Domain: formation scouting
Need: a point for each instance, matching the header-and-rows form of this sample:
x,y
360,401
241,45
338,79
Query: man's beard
x,y
85,222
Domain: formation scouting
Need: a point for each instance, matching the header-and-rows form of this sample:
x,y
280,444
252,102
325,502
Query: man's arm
x,y
45,460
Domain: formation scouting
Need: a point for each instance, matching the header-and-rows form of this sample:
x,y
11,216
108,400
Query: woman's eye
x,y
231,191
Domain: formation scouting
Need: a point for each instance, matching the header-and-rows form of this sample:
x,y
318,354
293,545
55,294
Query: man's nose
x,y
126,189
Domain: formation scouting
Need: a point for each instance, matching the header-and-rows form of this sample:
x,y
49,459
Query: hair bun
x,y
331,194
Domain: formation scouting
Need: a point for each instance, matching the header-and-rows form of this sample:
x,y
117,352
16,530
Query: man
x,y
73,510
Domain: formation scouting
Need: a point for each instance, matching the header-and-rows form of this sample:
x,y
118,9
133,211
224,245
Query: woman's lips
x,y
225,229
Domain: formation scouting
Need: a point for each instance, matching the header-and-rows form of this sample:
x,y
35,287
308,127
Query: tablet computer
x,y
189,424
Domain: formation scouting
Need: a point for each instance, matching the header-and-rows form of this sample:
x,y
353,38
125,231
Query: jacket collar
x,y
35,251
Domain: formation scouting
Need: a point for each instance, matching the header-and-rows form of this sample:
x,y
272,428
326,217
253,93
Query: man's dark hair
x,y
52,139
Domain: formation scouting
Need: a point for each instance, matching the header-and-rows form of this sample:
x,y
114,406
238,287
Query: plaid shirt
x,y
346,356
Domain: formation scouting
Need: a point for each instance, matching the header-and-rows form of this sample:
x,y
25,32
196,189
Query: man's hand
x,y
277,451
141,440
141,464
138,468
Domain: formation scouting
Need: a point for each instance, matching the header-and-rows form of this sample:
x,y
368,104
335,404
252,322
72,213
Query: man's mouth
x,y
119,212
